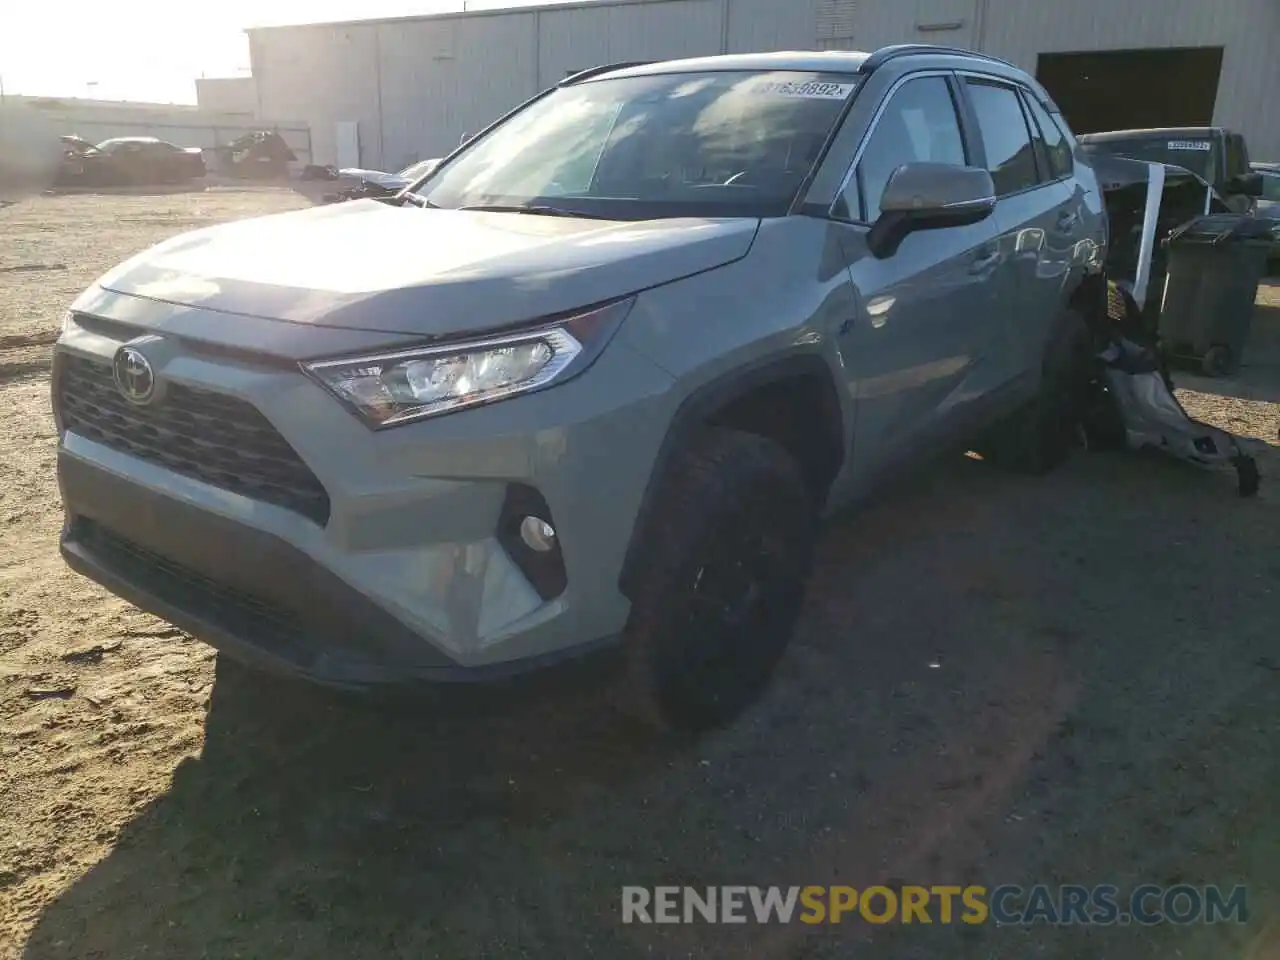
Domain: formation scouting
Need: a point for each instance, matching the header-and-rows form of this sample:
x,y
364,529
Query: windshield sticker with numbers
x,y
1190,145
807,90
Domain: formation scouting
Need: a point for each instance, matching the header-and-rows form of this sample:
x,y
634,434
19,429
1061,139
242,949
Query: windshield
x,y
671,145
1199,155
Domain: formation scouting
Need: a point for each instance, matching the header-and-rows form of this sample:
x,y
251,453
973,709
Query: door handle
x,y
1067,221
986,258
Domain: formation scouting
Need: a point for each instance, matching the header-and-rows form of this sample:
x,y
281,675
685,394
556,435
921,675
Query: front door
x,y
925,313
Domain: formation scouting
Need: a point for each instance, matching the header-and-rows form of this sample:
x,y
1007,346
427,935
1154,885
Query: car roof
x,y
816,61
132,140
1152,133
820,61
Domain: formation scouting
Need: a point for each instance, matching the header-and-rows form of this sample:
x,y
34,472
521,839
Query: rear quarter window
x,y
1057,147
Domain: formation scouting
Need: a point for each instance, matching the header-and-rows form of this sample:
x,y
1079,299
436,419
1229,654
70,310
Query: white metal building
x,y
237,95
384,93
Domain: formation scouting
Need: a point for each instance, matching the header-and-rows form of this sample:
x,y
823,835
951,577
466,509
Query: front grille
x,y
239,613
217,439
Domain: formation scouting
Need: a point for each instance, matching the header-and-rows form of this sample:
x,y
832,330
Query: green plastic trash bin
x,y
1214,265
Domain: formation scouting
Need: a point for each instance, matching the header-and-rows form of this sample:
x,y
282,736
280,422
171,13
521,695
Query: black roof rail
x,y
892,52
595,71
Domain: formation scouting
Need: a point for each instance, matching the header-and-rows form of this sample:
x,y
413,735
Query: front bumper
x,y
408,578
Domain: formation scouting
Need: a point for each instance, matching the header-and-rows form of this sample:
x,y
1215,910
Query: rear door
x,y
1038,222
925,313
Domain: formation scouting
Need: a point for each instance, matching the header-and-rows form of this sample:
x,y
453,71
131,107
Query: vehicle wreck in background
x,y
126,161
258,155
355,183
1132,403
1218,156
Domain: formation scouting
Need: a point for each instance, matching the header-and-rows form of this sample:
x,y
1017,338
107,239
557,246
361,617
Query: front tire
x,y
723,577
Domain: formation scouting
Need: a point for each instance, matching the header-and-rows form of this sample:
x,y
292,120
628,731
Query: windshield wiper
x,y
418,200
536,209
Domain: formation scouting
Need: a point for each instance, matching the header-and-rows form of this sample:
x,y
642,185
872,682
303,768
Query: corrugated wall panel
x,y
570,40
1247,29
878,23
444,78
321,75
837,19
762,25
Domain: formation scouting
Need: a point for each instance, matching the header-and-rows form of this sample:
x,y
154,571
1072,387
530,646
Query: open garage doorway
x,y
1123,89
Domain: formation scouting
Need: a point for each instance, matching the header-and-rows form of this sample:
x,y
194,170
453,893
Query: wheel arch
x,y
741,399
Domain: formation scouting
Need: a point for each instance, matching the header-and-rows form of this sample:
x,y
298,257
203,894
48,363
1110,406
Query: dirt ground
x,y
1072,679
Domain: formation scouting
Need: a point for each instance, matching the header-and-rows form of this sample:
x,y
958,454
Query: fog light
x,y
526,530
537,534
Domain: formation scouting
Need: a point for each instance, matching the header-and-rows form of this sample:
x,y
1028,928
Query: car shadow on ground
x,y
940,656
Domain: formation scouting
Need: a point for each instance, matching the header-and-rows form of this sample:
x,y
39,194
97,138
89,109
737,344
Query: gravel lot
x,y
997,680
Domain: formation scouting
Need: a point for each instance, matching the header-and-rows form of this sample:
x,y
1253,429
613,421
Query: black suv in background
x,y
1217,155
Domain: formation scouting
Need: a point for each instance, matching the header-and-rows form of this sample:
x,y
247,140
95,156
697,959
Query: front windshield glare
x,y
691,144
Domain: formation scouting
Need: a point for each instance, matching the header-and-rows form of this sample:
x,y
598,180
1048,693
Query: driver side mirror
x,y
930,196
1246,184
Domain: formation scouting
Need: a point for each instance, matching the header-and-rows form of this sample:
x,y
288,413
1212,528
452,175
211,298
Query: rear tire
x,y
1040,436
725,566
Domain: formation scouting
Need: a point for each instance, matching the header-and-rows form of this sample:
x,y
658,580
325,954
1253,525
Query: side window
x,y
918,124
1057,149
1010,156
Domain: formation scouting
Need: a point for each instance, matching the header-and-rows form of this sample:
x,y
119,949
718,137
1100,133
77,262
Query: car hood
x,y
368,265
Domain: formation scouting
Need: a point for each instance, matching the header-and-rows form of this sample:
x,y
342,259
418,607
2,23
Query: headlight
x,y
393,388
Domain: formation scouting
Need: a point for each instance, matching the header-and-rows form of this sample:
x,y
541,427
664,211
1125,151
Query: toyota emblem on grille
x,y
134,376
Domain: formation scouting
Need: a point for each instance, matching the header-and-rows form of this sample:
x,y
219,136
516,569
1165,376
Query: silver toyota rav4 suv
x,y
593,381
